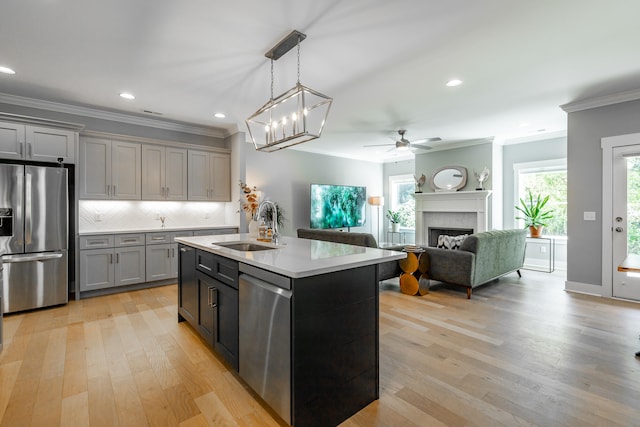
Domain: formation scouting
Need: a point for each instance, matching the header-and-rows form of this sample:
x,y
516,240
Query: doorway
x,y
620,214
626,219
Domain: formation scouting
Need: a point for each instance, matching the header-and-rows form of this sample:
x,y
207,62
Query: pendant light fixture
x,y
296,116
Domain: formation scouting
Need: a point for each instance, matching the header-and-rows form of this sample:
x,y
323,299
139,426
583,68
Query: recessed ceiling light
x,y
219,115
126,95
454,82
6,70
524,124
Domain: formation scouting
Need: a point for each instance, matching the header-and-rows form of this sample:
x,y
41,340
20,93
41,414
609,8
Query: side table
x,y
550,245
400,234
414,279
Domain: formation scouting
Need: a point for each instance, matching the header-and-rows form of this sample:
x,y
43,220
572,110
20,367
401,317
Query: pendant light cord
x,y
272,79
298,60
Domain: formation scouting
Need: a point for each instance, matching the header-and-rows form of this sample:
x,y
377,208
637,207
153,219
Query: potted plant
x,y
394,218
534,214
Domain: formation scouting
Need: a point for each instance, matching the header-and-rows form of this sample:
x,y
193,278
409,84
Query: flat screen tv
x,y
337,206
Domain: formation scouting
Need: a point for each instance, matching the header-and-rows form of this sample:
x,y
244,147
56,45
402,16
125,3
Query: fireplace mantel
x,y
474,206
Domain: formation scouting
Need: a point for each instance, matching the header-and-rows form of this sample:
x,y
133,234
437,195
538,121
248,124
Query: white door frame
x,y
608,144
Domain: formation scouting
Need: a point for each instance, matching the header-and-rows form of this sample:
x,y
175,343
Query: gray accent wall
x,y
584,168
533,151
285,177
474,157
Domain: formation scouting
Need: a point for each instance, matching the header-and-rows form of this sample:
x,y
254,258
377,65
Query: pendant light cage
x,y
296,116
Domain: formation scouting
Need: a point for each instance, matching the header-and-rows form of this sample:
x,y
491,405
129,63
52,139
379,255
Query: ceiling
x,y
384,63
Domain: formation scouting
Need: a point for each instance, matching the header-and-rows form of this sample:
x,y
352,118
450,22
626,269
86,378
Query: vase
x,y
395,227
535,231
253,228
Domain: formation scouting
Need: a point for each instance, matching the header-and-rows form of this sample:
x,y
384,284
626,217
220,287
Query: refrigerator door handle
x,y
28,202
31,257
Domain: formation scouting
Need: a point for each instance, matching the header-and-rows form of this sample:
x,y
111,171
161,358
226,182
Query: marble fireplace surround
x,y
455,209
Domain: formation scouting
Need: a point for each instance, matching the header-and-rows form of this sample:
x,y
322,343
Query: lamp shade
x,y
376,200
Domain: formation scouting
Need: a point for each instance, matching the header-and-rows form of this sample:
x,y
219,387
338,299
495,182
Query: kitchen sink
x,y
245,246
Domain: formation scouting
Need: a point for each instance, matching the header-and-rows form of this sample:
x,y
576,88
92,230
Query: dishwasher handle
x,y
254,281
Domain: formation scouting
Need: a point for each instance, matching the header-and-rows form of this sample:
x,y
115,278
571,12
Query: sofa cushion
x,y
450,242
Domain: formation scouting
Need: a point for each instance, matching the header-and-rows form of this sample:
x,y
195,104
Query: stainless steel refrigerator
x,y
34,221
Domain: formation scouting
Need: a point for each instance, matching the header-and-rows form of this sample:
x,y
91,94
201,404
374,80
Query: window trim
x,y
550,165
398,179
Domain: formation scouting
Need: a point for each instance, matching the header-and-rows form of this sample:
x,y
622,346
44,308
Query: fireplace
x,y
435,232
455,210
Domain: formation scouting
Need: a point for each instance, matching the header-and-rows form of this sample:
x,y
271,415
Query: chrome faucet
x,y
274,217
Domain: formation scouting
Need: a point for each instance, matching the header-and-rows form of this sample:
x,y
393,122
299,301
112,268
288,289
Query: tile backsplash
x,y
109,215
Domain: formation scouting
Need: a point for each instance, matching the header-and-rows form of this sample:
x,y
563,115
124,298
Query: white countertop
x,y
154,229
293,257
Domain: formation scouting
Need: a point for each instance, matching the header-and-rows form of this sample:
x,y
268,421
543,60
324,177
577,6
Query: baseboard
x,y
583,288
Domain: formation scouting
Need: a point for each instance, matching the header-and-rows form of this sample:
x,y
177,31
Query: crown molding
x,y
17,118
112,116
143,140
533,138
601,101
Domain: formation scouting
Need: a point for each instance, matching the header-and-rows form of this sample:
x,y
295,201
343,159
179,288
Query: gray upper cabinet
x,y
37,143
164,173
209,176
110,169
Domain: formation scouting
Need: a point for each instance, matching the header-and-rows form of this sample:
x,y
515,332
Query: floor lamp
x,y
377,201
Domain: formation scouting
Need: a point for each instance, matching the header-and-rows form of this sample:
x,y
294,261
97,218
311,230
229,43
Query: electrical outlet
x,y
206,215
98,216
158,216
543,249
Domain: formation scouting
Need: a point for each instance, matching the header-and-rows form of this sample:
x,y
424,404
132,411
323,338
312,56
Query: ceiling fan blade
x,y
423,140
378,145
420,147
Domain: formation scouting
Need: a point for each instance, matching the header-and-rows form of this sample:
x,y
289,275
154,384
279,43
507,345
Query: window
x,y
401,190
547,177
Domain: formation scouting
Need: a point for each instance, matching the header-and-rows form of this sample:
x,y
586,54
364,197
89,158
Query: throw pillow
x,y
450,242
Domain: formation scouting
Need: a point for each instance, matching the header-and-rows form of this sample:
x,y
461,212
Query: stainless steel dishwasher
x,y
265,336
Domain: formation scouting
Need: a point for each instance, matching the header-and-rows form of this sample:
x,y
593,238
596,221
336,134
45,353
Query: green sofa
x,y
482,257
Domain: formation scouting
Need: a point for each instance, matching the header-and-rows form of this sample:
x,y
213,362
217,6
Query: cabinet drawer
x,y
215,231
96,242
180,234
223,269
159,238
129,239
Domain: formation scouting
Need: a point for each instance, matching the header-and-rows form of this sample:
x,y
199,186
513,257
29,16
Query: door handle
x,y
214,297
618,219
20,148
168,253
619,229
29,150
118,258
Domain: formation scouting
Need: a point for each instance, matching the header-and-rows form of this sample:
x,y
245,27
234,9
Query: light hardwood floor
x,y
520,352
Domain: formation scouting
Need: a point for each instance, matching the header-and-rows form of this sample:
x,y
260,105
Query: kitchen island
x,y
298,319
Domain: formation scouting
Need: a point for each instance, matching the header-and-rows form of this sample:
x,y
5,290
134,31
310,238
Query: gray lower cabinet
x,y
111,260
106,268
160,262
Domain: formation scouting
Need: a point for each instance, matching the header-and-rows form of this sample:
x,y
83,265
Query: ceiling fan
x,y
404,144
